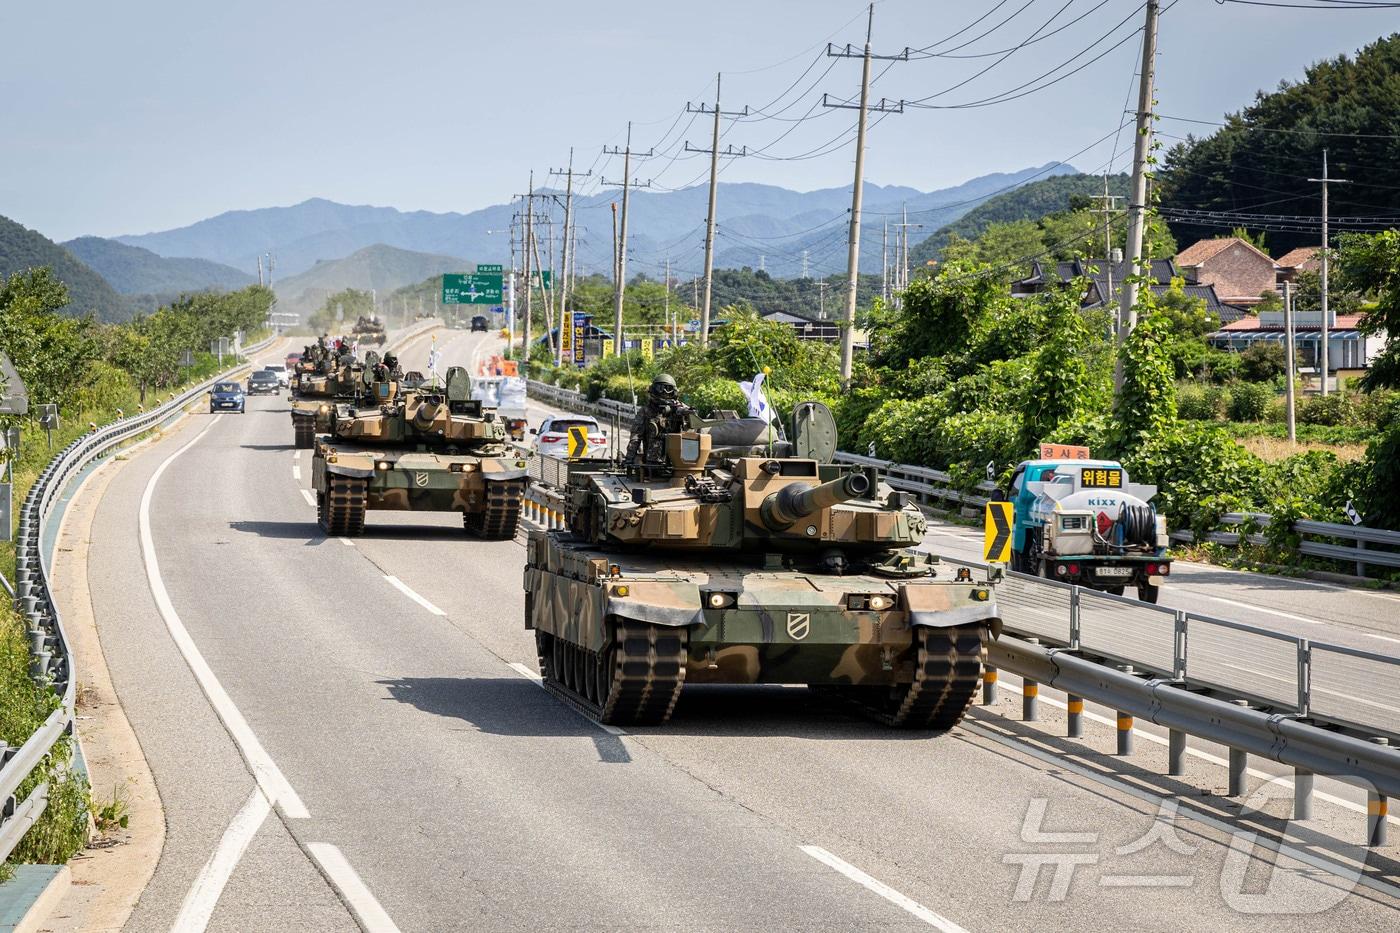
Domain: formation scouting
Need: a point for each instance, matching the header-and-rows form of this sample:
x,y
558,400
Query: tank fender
x,y
499,476
944,606
675,604
349,469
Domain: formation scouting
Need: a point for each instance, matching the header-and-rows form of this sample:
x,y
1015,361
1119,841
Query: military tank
x,y
430,449
369,330
314,392
740,558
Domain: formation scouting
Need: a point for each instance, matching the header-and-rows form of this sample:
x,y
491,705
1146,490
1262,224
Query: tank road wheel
x,y
947,673
544,646
305,431
635,681
344,512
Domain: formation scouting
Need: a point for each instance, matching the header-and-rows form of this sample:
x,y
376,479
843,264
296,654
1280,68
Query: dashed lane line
x,y
368,911
310,499
937,921
403,588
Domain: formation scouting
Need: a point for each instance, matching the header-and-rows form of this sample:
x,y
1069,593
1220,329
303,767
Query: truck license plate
x,y
1113,571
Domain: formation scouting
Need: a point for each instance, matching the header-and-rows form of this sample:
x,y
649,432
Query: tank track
x,y
305,431
947,673
340,510
498,521
636,681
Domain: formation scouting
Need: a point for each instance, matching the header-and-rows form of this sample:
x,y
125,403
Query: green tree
x,y
1370,264
1060,379
50,351
1146,404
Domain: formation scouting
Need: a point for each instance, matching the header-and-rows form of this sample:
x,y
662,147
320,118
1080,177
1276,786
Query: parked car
x,y
552,436
264,383
280,371
479,322
226,396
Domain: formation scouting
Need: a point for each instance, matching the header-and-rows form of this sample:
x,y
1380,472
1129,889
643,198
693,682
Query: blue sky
x,y
149,114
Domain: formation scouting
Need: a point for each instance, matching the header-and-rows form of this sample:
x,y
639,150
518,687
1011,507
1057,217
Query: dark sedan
x,y
226,396
263,383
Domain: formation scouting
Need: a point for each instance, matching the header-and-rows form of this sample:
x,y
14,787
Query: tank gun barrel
x,y
785,507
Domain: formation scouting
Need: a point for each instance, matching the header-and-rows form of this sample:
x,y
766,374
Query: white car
x,y
283,377
552,436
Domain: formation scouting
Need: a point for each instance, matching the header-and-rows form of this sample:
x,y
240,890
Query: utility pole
x,y
804,265
1108,205
617,328
885,264
1137,207
271,262
527,244
848,333
260,278
714,154
1326,249
666,302
627,183
563,288
1288,361
901,252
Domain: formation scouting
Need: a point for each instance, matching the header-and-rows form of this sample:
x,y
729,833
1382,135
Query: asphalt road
x,y
378,694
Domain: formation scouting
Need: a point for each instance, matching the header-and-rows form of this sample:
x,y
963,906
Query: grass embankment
x,y
63,829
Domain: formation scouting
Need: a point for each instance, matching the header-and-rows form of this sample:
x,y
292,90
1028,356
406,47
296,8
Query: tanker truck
x,y
1083,521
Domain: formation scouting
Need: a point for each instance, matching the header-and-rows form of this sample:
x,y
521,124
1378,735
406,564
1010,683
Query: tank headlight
x,y
720,600
383,465
875,602
881,603
325,409
621,590
465,467
981,595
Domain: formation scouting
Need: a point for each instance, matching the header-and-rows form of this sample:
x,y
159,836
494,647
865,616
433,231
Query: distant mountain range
x,y
132,270
380,268
764,223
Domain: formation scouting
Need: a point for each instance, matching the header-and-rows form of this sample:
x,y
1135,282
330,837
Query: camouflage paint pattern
x,y
775,626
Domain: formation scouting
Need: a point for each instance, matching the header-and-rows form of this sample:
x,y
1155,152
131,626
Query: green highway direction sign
x,y
477,289
535,278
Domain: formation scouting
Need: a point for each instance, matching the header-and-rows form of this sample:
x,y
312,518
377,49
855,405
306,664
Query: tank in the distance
x,y
723,552
427,449
369,329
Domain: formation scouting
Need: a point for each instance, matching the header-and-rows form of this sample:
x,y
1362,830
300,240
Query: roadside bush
x,y
1378,409
1331,410
1200,403
1200,472
973,439
1249,401
1262,361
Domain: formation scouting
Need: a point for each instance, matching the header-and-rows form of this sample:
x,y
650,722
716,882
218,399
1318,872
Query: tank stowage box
x,y
741,562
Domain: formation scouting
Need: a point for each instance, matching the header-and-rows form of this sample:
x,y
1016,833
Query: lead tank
x,y
745,559
428,449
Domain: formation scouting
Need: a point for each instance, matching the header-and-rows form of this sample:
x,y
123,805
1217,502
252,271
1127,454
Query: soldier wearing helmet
x,y
664,413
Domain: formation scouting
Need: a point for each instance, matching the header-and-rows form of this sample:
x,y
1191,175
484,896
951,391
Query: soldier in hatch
x,y
391,363
663,414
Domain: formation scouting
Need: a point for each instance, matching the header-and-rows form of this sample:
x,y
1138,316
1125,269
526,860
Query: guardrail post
x,y
1030,693
1074,618
1179,647
1304,676
1239,761
1125,723
989,685
1377,810
1075,724
1176,752
1302,794
1360,563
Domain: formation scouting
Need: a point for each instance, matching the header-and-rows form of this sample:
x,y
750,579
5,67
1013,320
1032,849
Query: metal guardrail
x,y
51,660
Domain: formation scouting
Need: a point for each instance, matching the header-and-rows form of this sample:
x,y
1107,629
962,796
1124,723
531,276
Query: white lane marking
x,y
269,777
524,671
1230,830
888,893
310,499
1216,759
208,886
346,541
296,456
1272,612
367,910
403,588
296,472
1381,637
